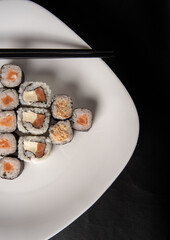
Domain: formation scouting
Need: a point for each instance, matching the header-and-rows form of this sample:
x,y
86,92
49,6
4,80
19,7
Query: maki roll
x,y
61,132
61,107
8,144
34,148
8,99
36,94
11,75
8,121
33,120
10,168
82,119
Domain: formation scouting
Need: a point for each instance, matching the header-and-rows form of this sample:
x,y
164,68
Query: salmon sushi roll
x,y
35,94
33,120
61,107
11,75
10,168
61,132
34,148
82,119
8,144
8,121
9,99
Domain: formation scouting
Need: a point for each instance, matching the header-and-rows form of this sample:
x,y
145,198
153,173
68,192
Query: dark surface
x,y
135,205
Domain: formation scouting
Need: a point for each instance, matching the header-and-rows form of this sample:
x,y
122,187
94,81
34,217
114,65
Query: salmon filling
x,y
36,119
40,149
7,121
8,167
39,121
4,143
37,148
12,75
7,100
60,133
82,120
40,95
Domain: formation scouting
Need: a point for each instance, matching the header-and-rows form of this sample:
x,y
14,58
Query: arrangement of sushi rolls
x,y
11,75
62,107
33,120
34,148
82,119
61,132
28,107
8,144
35,94
9,99
8,122
10,167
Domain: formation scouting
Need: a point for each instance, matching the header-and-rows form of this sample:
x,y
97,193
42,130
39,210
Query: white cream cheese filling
x,y
30,96
30,146
29,117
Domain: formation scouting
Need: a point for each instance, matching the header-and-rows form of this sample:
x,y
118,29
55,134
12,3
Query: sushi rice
x,y
33,120
35,94
8,144
8,122
61,107
9,99
11,75
10,168
61,132
34,148
82,119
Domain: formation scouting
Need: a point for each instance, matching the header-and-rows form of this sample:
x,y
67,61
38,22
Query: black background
x,y
135,205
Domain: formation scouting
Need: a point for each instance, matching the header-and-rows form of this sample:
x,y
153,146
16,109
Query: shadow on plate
x,y
47,41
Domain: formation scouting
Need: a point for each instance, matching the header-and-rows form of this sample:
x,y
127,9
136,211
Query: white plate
x,y
47,197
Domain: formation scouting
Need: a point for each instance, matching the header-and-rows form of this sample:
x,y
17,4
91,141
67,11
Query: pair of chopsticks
x,y
40,53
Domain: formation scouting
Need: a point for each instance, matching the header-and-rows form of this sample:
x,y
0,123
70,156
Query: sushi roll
x,y
8,121
61,132
34,148
10,168
35,94
82,119
8,144
61,107
8,99
11,75
33,120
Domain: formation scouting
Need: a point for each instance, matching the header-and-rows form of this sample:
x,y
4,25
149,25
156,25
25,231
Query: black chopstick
x,y
40,53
